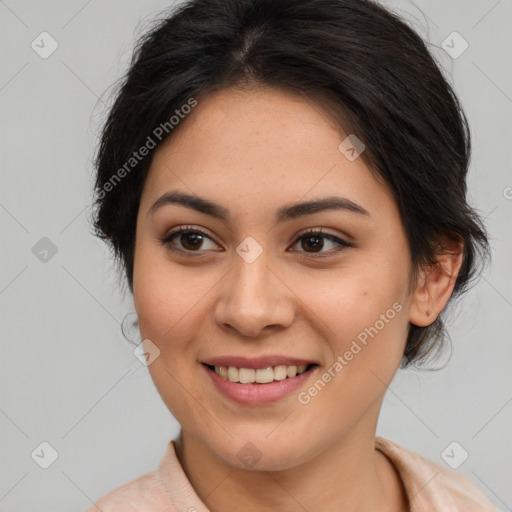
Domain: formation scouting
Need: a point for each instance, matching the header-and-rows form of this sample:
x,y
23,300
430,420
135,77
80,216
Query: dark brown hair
x,y
362,61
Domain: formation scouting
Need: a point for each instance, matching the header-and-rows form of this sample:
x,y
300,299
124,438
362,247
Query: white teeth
x,y
291,371
280,372
246,375
264,375
233,374
261,375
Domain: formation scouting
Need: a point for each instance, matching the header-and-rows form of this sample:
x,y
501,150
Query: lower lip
x,y
258,394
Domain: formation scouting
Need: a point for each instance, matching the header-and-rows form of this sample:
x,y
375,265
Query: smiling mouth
x,y
259,375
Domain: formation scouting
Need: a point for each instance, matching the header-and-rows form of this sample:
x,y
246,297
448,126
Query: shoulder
x,y
144,494
431,486
165,489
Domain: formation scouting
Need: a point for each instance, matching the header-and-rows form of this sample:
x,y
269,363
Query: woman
x,y
284,185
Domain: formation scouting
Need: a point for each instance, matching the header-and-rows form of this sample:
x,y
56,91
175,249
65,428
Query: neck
x,y
349,475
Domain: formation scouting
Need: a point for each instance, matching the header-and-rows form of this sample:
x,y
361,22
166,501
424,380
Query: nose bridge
x,y
252,297
251,279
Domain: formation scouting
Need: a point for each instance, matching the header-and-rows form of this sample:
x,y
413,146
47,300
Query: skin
x,y
253,151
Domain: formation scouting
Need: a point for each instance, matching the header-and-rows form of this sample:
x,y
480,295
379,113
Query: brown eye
x,y
191,241
186,240
312,242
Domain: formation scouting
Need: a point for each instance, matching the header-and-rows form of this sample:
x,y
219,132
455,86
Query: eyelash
x,y
308,233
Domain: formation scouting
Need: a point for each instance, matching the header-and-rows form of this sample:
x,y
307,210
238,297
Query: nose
x,y
253,299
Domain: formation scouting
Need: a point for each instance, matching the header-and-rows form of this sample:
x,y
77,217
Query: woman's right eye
x,y
191,240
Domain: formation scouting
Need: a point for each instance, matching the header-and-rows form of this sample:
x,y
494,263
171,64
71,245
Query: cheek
x,y
362,308
350,299
154,294
367,344
169,299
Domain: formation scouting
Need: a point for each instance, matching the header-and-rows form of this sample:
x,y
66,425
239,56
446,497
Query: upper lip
x,y
257,362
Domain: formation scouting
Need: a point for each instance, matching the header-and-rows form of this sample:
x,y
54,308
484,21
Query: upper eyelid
x,y
184,229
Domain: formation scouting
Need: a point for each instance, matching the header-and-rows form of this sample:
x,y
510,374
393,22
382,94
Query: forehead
x,y
261,147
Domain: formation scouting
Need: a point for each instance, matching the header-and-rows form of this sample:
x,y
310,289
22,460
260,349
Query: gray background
x,y
68,377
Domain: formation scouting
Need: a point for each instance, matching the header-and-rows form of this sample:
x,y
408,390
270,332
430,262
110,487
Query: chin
x,y
260,454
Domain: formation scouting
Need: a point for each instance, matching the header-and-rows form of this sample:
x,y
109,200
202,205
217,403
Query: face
x,y
251,283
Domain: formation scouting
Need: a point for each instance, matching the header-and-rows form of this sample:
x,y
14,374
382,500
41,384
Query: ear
x,y
435,284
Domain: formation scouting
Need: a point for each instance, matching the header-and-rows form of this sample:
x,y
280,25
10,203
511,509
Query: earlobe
x,y
435,286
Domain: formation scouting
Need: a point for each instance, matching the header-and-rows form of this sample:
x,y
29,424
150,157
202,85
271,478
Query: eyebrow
x,y
285,213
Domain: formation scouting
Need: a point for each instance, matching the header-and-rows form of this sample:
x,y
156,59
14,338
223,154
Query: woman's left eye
x,y
314,241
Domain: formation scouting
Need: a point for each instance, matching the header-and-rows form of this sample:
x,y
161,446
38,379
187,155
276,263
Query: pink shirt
x,y
430,487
